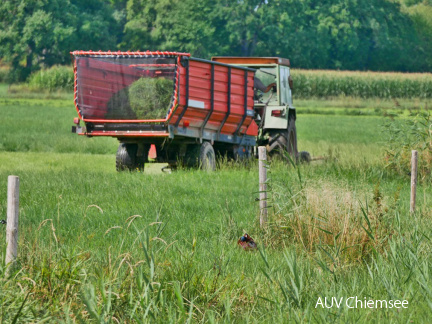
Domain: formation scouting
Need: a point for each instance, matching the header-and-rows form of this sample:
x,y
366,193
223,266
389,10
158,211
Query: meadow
x,y
106,247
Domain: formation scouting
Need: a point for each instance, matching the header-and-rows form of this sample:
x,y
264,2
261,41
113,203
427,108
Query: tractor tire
x,y
277,143
292,139
207,157
304,157
127,159
283,141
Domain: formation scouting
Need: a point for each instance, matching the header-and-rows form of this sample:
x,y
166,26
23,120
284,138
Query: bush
x,y
403,136
4,74
55,78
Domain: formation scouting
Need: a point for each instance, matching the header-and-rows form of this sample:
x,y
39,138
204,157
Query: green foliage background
x,y
55,78
381,35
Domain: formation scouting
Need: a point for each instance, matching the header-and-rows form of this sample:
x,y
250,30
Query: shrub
x,y
4,73
55,78
406,135
330,218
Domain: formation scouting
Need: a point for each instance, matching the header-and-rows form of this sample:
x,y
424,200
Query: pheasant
x,y
247,243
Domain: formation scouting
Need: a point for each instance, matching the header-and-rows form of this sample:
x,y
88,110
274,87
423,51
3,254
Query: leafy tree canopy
x,y
333,34
36,33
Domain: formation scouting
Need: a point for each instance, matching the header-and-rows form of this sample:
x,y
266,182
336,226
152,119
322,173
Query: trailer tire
x,y
207,157
127,159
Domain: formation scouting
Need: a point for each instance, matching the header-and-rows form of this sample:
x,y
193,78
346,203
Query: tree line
x,y
380,35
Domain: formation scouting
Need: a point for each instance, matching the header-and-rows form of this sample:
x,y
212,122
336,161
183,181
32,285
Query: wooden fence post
x,y
414,159
12,220
262,164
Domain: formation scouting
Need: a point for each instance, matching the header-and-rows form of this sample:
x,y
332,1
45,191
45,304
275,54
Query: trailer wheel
x,y
127,159
207,157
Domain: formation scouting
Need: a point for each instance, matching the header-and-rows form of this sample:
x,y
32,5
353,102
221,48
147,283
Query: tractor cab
x,y
272,82
273,104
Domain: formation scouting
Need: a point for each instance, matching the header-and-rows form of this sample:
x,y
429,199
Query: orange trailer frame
x,y
211,100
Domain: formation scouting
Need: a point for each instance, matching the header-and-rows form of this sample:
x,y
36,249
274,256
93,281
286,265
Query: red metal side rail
x,y
215,97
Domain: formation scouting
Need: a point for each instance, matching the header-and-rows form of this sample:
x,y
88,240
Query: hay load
x,y
146,98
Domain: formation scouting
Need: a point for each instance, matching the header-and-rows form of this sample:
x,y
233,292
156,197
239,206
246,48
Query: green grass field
x,y
106,247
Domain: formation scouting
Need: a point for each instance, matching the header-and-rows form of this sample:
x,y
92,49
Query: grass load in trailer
x,y
190,109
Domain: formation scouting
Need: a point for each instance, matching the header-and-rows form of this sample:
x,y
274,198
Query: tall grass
x,y
58,77
96,246
385,85
403,136
176,260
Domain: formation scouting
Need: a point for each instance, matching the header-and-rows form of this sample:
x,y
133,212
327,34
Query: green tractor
x,y
275,113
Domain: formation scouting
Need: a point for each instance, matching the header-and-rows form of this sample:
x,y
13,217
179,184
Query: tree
x,y
247,25
421,15
333,34
176,25
36,33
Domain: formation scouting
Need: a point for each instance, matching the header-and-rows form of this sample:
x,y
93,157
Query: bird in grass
x,y
247,243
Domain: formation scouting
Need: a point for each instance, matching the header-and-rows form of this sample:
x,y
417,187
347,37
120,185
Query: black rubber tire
x,y
127,159
207,157
292,138
284,141
277,142
304,157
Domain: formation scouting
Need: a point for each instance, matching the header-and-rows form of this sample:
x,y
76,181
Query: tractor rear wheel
x,y
277,142
283,141
292,139
127,157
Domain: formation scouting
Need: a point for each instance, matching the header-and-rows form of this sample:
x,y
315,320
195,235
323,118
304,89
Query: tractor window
x,y
284,88
265,85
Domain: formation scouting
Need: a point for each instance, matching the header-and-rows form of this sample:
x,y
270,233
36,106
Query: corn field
x,y
330,83
307,83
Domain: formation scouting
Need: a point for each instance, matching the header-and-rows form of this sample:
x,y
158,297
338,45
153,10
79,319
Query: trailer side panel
x,y
217,98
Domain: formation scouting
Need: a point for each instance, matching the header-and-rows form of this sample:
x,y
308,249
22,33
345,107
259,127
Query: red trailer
x,y
187,109
207,110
